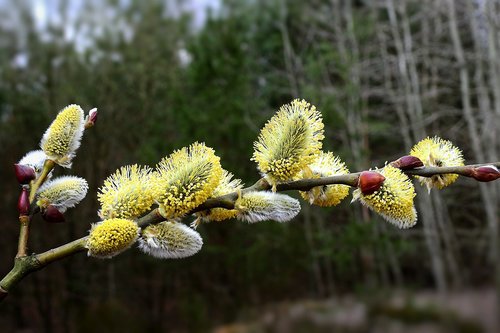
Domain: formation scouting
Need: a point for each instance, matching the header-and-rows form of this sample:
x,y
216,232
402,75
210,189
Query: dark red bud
x,y
370,181
24,173
53,215
485,173
23,203
91,118
407,162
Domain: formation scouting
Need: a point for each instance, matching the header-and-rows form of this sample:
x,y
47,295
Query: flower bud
x,y
62,193
53,215
436,152
62,138
256,206
24,173
169,239
290,141
23,204
111,237
128,193
485,173
185,179
91,118
407,162
370,181
36,160
393,200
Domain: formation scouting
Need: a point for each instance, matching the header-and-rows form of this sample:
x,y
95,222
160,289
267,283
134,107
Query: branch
x,y
227,201
27,264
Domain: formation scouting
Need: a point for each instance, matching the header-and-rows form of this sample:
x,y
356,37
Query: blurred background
x,y
163,74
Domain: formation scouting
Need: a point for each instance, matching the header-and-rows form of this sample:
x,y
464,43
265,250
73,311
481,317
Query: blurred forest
x,y
384,74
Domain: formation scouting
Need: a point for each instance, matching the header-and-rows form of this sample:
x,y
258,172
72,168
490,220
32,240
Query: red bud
x,y
485,173
91,118
23,203
407,162
24,173
370,181
53,215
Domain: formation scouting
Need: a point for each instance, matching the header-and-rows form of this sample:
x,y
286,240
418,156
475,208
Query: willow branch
x,y
27,264
227,201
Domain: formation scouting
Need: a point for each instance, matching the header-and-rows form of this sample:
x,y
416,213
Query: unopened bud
x,y
91,118
23,204
24,173
486,173
407,162
370,181
53,215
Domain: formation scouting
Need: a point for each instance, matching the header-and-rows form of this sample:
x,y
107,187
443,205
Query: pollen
x,y
258,206
186,178
170,239
289,141
62,138
62,192
226,185
111,237
128,193
326,165
437,152
393,200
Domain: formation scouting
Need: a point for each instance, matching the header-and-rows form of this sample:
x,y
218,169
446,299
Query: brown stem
x,y
227,201
464,170
351,179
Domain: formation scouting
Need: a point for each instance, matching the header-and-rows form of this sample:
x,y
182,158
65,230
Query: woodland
x,y
384,74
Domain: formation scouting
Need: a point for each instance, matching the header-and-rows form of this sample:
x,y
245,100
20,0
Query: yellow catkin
x,y
394,200
62,138
437,152
128,193
186,178
111,237
326,165
289,141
